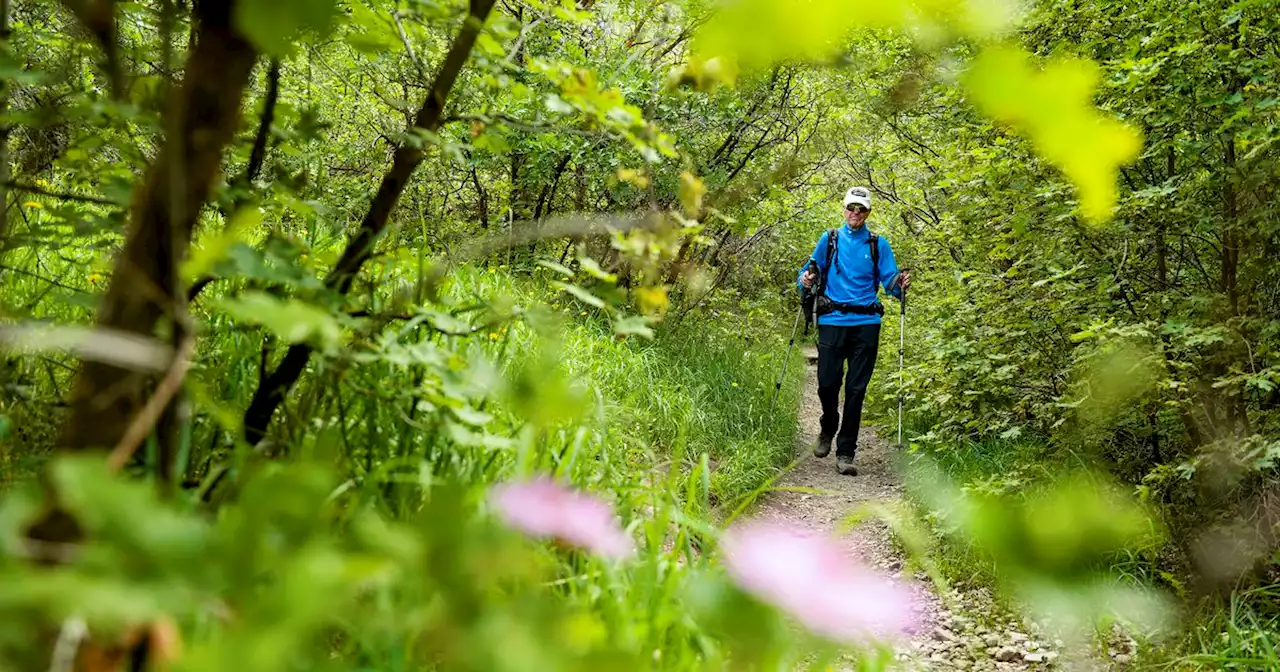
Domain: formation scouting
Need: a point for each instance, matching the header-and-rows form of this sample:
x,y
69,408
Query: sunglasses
x,y
857,208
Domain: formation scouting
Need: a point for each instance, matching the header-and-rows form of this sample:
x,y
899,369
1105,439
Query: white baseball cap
x,y
859,195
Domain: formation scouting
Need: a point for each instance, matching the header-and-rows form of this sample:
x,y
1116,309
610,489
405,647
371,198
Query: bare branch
x,y
99,344
408,46
60,195
150,414
258,156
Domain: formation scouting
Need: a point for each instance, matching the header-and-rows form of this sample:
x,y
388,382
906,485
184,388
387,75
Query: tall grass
x,y
1243,634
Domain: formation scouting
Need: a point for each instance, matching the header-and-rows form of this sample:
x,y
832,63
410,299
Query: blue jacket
x,y
850,281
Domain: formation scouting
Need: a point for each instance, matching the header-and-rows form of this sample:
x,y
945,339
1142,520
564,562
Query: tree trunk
x,y
5,130
203,116
259,154
1231,229
1162,249
579,203
206,113
482,205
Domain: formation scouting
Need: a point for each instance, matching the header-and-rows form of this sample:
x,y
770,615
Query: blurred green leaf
x,y
633,325
273,25
291,320
1053,107
582,294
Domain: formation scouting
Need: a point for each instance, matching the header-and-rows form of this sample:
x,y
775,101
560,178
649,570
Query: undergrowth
x,y
1238,635
676,430
1238,631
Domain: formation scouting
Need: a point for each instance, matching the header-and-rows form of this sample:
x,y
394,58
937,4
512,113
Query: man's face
x,y
856,215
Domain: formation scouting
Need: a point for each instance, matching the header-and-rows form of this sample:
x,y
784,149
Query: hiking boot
x,y
823,447
844,465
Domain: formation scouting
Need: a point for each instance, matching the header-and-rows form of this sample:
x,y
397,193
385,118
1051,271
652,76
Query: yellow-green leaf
x,y
1053,108
289,319
691,192
582,294
752,34
207,255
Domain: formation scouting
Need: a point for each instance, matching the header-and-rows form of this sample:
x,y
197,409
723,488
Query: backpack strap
x,y
833,244
833,247
874,241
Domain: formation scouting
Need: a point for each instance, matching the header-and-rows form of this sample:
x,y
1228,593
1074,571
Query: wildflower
x,y
811,578
542,508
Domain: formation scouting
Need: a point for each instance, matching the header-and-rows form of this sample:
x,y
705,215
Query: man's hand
x,y
904,279
808,279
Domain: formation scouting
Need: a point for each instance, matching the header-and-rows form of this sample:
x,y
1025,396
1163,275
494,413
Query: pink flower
x,y
542,508
811,578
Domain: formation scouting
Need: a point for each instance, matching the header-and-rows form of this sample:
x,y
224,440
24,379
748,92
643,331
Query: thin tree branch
x,y
259,154
146,419
271,390
408,46
60,195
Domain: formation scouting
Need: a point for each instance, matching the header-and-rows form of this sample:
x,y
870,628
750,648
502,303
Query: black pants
x,y
859,346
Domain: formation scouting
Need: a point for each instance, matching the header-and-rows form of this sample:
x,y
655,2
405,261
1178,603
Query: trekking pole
x,y
902,345
778,386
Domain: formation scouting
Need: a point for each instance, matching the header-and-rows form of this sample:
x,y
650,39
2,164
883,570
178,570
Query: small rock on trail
x,y
981,638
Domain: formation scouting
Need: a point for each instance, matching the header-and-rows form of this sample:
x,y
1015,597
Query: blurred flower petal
x,y
811,578
542,508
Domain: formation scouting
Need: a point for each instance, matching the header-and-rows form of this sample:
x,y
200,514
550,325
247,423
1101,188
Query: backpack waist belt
x,y
830,306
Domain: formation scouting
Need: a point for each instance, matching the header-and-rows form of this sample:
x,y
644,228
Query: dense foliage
x,y
313,276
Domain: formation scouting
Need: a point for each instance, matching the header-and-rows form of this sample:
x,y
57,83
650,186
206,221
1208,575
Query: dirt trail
x,y
973,636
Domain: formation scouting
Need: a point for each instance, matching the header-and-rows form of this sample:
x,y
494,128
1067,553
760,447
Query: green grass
x,y
701,387
1241,634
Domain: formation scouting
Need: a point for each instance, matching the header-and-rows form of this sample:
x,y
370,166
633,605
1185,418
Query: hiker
x,y
848,313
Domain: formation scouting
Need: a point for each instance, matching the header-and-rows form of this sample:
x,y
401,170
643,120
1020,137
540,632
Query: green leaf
x,y
633,325
1053,108
290,320
692,190
593,269
489,45
371,44
558,268
471,416
492,141
752,34
447,323
273,25
582,294
557,104
207,255
471,439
